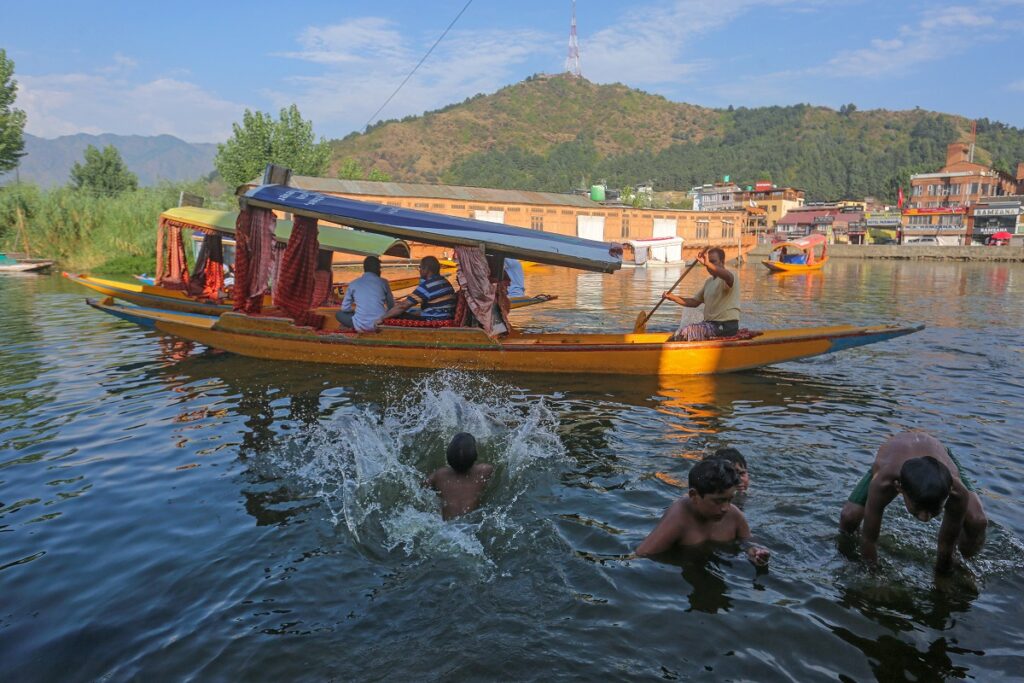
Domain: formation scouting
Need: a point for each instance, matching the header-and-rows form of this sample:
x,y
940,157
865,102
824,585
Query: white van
x,y
922,241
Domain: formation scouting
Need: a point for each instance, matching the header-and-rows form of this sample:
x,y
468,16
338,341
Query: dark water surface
x,y
171,513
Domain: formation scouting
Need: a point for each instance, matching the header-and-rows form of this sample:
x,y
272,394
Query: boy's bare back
x,y
460,492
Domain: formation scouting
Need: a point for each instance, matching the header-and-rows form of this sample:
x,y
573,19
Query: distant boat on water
x,y
14,263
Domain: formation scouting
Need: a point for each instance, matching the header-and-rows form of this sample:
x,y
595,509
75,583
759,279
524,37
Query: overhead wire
x,y
418,64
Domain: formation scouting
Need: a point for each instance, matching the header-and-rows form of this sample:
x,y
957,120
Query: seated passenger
x,y
366,298
516,277
435,296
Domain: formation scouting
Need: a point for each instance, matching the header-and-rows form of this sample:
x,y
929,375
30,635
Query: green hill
x,y
557,132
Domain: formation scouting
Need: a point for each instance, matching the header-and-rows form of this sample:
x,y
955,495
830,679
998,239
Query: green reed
x,y
84,230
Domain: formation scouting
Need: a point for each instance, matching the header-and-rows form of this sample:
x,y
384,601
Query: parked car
x,y
922,241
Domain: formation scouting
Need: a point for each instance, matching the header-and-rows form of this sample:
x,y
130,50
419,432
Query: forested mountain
x,y
48,162
555,133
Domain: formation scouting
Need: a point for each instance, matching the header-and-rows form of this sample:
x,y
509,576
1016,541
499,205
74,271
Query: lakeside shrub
x,y
85,230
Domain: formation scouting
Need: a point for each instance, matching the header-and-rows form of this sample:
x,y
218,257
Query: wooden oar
x,y
642,318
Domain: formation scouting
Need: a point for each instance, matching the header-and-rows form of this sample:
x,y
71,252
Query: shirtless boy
x,y
461,484
918,467
739,463
705,514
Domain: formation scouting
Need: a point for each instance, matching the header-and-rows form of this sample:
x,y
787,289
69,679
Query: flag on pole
x,y
899,197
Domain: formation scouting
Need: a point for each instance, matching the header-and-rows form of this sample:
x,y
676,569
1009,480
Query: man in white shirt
x,y
366,298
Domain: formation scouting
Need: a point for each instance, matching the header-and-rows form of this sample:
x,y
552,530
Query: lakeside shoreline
x,y
913,253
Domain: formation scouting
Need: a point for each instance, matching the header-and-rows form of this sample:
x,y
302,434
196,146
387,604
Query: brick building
x,y
563,214
775,201
962,182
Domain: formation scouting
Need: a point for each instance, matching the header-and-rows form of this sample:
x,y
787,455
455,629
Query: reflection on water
x,y
171,512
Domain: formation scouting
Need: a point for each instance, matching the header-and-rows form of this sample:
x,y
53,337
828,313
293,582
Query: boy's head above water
x,y
925,484
713,485
739,463
462,452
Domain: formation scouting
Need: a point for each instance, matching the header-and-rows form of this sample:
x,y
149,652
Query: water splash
x,y
367,465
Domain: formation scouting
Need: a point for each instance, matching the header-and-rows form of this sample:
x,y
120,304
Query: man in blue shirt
x,y
435,295
366,298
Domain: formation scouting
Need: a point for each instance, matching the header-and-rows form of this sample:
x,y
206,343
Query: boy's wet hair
x,y
926,482
713,476
462,452
730,454
719,251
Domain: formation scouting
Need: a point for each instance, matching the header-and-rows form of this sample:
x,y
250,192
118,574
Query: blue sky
x,y
190,68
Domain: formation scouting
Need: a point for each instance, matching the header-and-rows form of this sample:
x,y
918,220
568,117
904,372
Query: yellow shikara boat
x,y
783,260
641,354
469,348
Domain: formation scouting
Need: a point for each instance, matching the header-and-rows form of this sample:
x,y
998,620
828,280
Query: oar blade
x,y
641,323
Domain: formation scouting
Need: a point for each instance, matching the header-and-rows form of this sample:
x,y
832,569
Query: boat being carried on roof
x,y
303,335
798,256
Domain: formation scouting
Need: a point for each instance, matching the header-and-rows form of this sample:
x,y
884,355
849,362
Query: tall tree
x,y
103,171
260,140
12,121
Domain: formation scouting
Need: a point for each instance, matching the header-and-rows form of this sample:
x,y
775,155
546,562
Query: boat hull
x,y
649,354
25,267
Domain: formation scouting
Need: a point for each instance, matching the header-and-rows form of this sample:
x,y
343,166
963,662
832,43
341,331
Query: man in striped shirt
x,y
435,295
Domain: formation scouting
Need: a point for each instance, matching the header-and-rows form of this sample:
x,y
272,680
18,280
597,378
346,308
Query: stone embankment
x,y
913,252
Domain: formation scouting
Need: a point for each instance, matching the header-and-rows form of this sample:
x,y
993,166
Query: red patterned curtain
x,y
254,243
207,279
296,278
172,271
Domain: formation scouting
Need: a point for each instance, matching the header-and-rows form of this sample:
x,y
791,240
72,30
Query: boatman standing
x,y
720,297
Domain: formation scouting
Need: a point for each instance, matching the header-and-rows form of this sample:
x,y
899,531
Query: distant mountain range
x,y
48,163
555,133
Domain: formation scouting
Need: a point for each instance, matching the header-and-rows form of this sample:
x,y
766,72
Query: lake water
x,y
172,513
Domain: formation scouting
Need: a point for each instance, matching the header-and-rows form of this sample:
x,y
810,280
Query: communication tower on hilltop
x,y
572,62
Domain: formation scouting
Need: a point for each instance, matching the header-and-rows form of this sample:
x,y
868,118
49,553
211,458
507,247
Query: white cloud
x,y
104,102
365,59
647,46
1016,86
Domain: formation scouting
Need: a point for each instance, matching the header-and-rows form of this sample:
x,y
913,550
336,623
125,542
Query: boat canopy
x,y
441,230
656,242
802,243
330,237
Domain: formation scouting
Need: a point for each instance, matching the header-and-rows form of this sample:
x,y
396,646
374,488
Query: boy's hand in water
x,y
758,556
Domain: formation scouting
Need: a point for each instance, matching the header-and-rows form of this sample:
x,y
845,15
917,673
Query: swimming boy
x,y
918,467
462,483
739,463
705,514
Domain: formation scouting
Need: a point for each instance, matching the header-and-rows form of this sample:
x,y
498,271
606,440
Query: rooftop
x,y
426,191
